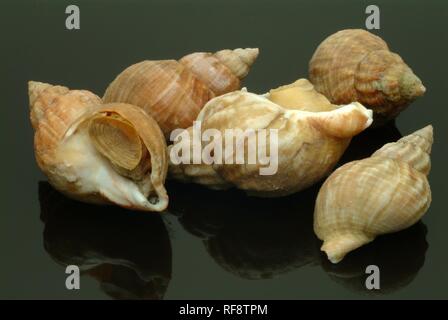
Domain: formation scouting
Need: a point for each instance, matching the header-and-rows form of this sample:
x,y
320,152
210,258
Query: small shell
x,y
355,65
309,143
74,149
173,92
385,193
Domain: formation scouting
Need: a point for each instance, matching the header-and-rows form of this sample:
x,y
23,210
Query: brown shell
x,y
173,92
58,114
355,65
52,110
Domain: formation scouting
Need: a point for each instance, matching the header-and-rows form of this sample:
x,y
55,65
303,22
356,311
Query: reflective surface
x,y
209,245
128,253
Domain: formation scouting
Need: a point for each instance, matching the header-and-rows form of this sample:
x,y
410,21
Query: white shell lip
x,y
97,175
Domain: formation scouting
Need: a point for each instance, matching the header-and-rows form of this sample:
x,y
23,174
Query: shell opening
x,y
90,161
300,95
118,141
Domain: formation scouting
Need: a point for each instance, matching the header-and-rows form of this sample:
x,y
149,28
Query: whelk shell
x,y
384,193
309,142
173,92
97,152
355,65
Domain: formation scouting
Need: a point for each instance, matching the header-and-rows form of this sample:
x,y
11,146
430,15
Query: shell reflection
x,y
253,238
399,256
129,254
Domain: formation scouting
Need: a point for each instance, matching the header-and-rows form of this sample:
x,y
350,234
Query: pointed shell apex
x,y
238,60
35,88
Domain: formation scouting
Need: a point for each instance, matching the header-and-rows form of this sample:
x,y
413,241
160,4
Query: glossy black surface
x,y
210,244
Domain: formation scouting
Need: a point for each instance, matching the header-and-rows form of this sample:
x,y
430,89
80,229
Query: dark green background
x,y
271,235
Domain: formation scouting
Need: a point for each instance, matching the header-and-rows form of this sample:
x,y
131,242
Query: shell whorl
x,y
35,88
238,60
413,149
356,65
384,193
173,92
302,138
52,110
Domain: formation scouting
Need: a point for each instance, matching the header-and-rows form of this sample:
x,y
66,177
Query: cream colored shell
x,y
309,143
384,193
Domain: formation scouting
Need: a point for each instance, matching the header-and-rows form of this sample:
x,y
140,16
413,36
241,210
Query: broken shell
x,y
384,193
355,65
173,92
98,153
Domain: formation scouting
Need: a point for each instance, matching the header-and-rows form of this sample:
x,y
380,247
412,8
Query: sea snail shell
x,y
173,92
355,65
309,142
98,153
384,193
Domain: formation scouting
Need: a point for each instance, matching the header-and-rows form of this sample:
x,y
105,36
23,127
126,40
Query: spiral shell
x,y
98,153
308,143
384,193
355,65
173,92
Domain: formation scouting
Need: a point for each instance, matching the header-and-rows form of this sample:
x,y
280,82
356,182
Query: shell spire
x,y
100,153
238,60
174,92
384,193
356,65
413,149
35,88
52,109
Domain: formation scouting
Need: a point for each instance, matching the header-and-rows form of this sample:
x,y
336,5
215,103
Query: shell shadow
x,y
252,238
128,253
399,257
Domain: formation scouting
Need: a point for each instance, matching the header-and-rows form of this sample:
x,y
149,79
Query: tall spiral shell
x,y
301,146
97,152
173,92
355,65
384,193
